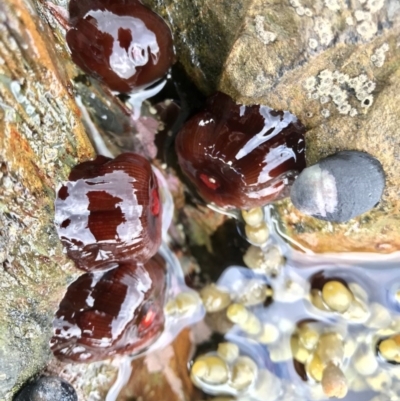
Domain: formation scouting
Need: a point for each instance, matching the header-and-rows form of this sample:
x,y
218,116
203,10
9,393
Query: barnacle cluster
x,y
379,56
366,19
300,9
339,88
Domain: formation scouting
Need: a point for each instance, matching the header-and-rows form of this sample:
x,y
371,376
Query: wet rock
x,y
163,374
335,65
282,55
41,138
47,389
339,187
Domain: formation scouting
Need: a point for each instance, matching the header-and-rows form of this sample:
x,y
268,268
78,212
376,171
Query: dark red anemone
x,y
118,311
241,156
110,210
121,42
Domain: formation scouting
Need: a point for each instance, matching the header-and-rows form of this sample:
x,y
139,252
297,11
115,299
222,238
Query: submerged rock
x,y
339,187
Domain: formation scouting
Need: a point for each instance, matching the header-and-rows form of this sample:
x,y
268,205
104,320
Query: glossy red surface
x,y
118,311
110,210
121,42
241,156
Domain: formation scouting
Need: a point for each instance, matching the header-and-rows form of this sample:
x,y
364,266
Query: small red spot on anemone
x,y
155,202
209,181
241,156
110,210
147,319
121,42
118,311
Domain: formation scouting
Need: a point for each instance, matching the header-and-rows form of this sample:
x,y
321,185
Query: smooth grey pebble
x,y
339,187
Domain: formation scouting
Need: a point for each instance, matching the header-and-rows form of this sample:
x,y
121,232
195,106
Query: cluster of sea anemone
x,y
109,213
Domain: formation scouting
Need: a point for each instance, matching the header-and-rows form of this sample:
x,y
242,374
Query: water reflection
x,y
305,326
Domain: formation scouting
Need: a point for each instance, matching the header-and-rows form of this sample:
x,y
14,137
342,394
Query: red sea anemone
x,y
115,311
121,42
241,156
110,210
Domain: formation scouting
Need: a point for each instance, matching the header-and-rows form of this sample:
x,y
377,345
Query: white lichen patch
x,y
338,89
265,36
379,56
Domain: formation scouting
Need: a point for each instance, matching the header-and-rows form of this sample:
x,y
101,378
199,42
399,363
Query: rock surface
x,y
161,375
334,64
41,138
48,389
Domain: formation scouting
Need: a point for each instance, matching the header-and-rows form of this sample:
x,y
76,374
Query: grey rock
x,y
339,187
47,389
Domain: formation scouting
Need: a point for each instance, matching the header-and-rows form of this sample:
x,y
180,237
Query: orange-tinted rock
x,y
163,375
